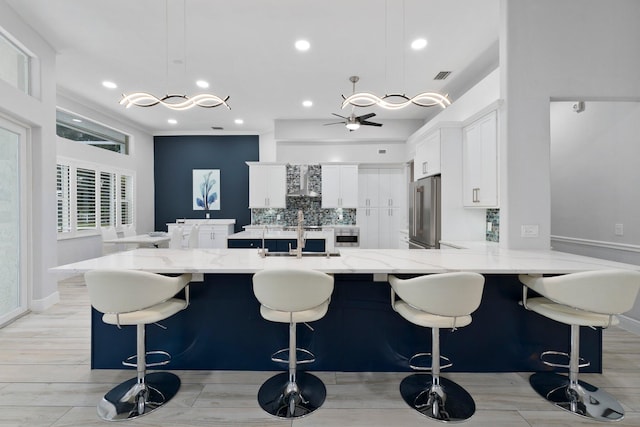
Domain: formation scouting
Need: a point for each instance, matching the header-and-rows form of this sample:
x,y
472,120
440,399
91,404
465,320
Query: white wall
x,y
555,49
322,151
38,113
139,160
309,141
594,181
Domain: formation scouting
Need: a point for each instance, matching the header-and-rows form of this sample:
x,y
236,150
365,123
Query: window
x,y
107,199
64,199
14,64
126,200
79,129
90,197
86,198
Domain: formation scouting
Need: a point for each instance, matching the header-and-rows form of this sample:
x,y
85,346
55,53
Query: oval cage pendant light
x,y
174,101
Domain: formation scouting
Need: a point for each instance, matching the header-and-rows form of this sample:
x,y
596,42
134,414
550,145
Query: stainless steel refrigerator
x,y
424,213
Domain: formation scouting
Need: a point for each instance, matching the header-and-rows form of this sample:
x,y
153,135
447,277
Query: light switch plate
x,y
529,230
619,229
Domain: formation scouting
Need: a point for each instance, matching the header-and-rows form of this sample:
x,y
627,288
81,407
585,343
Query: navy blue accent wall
x,y
176,156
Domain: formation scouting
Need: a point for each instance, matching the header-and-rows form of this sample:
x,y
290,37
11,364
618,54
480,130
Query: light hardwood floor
x,y
45,380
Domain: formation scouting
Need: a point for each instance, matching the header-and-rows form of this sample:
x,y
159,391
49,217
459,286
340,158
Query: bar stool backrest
x,y
292,290
124,291
600,291
444,294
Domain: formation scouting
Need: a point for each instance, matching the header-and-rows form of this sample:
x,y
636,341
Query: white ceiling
x,y
245,49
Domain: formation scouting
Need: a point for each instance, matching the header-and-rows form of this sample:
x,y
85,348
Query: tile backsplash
x,y
493,217
314,215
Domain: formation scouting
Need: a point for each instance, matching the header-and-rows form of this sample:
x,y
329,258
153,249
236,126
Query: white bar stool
x,y
292,296
437,301
137,298
592,299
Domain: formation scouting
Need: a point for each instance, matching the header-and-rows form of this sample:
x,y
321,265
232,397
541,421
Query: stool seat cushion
x,y
310,315
428,320
568,315
148,315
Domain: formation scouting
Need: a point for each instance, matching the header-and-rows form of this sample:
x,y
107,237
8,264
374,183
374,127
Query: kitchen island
x,y
222,328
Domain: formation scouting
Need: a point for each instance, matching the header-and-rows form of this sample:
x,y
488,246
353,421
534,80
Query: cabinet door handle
x,y
476,195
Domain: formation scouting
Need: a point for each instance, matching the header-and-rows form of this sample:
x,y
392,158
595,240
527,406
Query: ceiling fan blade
x,y
366,123
366,116
342,117
334,123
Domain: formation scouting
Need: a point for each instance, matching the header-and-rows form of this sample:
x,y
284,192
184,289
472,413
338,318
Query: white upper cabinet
x,y
267,185
368,188
427,158
339,186
381,188
480,162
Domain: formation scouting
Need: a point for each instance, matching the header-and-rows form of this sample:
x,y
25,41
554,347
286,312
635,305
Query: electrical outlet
x,y
278,217
619,230
529,230
489,227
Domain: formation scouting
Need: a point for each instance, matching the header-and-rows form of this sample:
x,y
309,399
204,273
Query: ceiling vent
x,y
442,75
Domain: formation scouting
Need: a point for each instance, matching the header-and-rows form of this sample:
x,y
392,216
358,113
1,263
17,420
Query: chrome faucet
x,y
263,250
300,236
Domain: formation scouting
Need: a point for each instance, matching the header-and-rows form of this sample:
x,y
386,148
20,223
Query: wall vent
x,y
217,128
442,75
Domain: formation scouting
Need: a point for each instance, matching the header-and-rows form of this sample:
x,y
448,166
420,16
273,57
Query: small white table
x,y
142,239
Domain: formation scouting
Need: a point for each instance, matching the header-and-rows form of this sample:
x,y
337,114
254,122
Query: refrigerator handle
x,y
418,207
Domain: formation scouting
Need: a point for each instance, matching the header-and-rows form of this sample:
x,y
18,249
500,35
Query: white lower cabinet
x,y
379,227
213,236
209,235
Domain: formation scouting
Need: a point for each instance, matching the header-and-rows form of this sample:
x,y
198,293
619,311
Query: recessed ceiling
x,y
245,49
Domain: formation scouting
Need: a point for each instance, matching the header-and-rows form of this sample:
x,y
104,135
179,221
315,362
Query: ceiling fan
x,y
354,122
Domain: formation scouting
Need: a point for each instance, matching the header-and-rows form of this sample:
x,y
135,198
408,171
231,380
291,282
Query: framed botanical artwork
x,y
206,189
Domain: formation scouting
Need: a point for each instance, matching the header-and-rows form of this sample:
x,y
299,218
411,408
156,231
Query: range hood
x,y
303,190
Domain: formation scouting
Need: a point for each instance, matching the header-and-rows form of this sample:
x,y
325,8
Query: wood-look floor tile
x,y
560,418
34,416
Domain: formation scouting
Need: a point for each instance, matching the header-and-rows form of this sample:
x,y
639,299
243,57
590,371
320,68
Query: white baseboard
x,y
629,324
39,305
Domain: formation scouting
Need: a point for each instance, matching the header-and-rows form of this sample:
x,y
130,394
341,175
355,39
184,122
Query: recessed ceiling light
x,y
239,121
203,84
418,44
307,103
109,85
303,45
172,121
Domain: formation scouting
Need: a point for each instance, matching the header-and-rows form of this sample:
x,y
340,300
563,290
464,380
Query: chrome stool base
x,y
585,399
447,402
124,401
282,399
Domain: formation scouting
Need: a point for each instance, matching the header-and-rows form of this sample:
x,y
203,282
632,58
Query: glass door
x,y
13,221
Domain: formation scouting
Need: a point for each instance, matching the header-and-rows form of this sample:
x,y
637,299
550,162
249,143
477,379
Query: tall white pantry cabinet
x,y
381,206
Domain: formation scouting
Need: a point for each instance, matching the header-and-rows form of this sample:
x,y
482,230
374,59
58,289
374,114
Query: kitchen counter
x,y
222,328
487,260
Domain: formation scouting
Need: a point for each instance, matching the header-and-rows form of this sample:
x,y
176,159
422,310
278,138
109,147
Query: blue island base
x,y
222,330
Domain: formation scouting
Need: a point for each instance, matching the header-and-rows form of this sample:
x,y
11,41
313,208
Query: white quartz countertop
x,y
351,260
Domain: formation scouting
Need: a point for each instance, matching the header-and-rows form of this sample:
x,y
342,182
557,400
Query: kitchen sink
x,y
304,254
